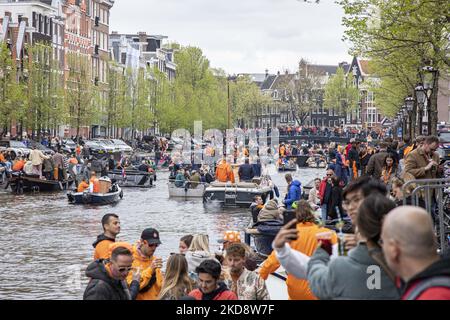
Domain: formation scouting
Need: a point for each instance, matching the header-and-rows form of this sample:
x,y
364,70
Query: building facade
x,y
282,112
28,22
143,50
367,114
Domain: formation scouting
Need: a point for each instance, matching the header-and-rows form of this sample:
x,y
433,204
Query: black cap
x,y
151,235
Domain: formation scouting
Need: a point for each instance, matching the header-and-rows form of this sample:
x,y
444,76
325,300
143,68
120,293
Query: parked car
x,y
68,145
444,146
121,146
41,147
95,148
18,148
107,145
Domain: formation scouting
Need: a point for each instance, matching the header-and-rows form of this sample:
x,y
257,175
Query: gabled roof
x,y
268,82
364,67
324,68
283,79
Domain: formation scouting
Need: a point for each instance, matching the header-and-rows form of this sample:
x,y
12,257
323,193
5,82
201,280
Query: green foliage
x,y
81,93
246,98
399,37
12,93
340,94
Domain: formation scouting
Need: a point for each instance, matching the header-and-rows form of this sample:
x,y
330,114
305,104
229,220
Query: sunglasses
x,y
125,269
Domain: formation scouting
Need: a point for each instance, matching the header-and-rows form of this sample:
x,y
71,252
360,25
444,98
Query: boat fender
x,y
121,194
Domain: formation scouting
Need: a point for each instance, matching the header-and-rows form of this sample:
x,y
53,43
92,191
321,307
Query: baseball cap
x,y
231,236
151,235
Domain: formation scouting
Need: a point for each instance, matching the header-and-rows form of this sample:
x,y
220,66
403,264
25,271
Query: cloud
x,y
241,36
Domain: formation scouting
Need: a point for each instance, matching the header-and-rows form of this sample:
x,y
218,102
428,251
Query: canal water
x,y
46,244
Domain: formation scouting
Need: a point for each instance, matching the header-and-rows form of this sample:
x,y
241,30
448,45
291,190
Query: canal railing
x,y
434,196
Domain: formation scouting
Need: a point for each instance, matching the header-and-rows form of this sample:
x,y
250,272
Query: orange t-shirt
x,y
2,158
18,165
82,186
298,289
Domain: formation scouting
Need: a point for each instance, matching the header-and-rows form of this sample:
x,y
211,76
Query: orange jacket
x,y
224,172
2,158
282,151
144,264
96,183
18,165
407,151
102,249
298,289
82,186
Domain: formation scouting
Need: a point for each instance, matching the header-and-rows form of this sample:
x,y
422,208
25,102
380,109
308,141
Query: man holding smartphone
x,y
144,259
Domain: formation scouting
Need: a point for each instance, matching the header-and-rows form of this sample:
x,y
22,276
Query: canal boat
x,y
186,192
317,161
86,197
19,183
132,178
239,194
287,167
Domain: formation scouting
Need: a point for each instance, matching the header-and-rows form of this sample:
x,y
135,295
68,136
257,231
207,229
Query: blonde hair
x,y
200,242
176,282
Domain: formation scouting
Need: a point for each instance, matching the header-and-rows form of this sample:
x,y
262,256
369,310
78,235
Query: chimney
x,y
142,36
267,73
278,73
286,72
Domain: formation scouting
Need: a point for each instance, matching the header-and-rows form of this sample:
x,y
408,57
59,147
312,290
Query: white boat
x,y
175,192
239,194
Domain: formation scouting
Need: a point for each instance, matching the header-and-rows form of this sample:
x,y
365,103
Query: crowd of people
x,y
121,271
335,132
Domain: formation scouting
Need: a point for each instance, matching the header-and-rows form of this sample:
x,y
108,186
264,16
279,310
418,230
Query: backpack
x,y
427,284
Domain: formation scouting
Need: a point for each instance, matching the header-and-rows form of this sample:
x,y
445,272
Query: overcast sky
x,y
242,35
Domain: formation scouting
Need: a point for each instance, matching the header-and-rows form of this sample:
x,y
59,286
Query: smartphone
x,y
294,226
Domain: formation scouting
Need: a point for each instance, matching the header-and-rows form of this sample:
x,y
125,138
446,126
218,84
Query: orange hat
x,y
116,245
231,236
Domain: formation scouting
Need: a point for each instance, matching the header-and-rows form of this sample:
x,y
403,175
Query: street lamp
x,y
421,99
429,76
409,103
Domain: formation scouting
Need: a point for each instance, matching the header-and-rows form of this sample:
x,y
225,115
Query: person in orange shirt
x,y
82,186
19,164
111,228
304,240
224,173
151,276
95,183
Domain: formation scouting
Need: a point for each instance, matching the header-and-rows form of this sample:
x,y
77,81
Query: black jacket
x,y
246,172
210,296
353,156
102,287
335,201
100,238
